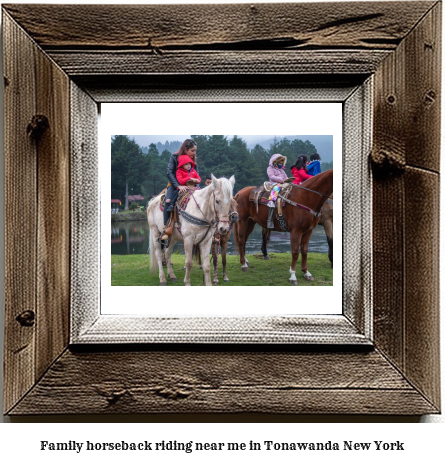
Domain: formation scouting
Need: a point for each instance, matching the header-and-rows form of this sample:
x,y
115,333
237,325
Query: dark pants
x,y
172,194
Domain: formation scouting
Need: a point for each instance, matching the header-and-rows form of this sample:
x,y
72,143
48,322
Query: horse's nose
x,y
223,230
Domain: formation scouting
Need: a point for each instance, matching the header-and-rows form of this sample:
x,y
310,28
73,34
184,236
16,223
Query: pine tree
x,y
157,179
129,167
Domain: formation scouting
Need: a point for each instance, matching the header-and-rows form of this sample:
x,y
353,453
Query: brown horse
x,y
223,240
300,220
326,220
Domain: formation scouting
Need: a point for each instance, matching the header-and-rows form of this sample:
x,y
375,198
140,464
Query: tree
x,y
261,161
157,179
201,155
302,148
129,167
214,154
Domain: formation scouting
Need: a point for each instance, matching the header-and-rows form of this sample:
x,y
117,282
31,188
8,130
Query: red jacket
x,y
183,175
300,175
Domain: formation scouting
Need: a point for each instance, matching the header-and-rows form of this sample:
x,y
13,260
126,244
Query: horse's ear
x,y
215,182
232,180
236,197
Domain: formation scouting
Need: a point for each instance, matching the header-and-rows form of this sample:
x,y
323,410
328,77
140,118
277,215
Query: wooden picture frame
x,y
57,70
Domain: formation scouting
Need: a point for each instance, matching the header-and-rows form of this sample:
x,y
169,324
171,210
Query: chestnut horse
x,y
223,240
300,220
326,220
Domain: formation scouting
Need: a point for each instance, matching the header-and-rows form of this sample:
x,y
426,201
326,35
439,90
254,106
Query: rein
x,y
303,207
310,190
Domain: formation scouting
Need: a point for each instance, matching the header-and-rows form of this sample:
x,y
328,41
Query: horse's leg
x,y
205,253
266,237
224,245
329,230
244,232
188,249
158,254
168,259
304,247
295,239
214,252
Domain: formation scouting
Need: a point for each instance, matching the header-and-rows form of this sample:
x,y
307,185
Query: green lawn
x,y
134,270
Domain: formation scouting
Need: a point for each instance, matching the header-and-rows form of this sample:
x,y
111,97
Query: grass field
x,y
134,270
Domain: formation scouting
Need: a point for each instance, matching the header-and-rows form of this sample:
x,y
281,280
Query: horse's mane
x,y
226,187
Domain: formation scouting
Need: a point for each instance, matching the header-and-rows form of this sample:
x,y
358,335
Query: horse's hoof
x,y
267,257
245,268
309,278
163,284
294,283
173,280
226,280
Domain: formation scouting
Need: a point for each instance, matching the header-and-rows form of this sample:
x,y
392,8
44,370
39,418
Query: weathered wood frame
x,y
78,56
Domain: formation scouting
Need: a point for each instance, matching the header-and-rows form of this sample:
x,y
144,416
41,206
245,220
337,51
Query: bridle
x,y
199,222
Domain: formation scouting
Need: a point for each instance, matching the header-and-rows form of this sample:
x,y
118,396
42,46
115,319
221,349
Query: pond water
x,y
132,238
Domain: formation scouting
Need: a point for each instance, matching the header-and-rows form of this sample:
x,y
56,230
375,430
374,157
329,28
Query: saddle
x,y
261,193
181,204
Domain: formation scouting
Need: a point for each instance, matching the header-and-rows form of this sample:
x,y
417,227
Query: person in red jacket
x,y
186,173
299,170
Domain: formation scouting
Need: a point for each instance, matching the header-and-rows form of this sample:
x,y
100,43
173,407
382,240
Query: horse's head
x,y
223,197
234,216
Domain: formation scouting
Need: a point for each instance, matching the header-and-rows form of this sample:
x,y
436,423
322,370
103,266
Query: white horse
x,y
208,210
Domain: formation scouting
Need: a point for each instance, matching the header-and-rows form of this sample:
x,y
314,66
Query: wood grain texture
x,y
357,209
388,268
53,223
219,87
423,91
20,213
408,98
275,26
112,329
407,135
223,382
85,212
422,281
78,63
400,376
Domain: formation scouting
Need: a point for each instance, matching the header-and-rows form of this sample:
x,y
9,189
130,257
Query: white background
x,y
19,442
221,118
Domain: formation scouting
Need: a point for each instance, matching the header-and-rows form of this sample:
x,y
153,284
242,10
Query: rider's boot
x,y
169,230
168,227
270,224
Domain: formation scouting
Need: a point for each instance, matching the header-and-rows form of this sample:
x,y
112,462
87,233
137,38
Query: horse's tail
x,y
235,237
151,243
196,254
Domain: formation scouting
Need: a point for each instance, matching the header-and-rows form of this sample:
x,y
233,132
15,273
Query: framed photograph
x,y
370,346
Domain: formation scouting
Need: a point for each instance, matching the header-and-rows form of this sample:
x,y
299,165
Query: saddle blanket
x,y
182,202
